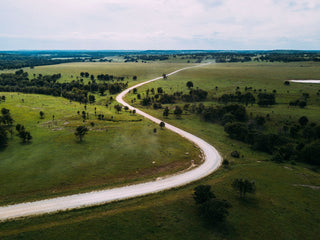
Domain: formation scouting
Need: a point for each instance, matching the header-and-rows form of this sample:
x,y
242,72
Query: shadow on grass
x,y
248,201
222,229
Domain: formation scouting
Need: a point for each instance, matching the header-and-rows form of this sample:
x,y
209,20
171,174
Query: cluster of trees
x,y
23,133
21,59
145,58
294,142
222,114
2,99
107,77
290,56
246,98
298,141
266,99
6,127
14,61
161,97
48,85
301,102
6,122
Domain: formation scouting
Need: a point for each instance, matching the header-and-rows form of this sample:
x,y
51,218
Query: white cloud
x,y
166,23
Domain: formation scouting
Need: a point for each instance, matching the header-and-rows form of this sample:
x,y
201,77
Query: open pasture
x,y
121,149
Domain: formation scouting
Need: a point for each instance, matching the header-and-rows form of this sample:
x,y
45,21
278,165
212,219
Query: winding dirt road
x,y
212,160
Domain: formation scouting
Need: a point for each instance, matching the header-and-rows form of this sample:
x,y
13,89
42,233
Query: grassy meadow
x,y
116,151
285,205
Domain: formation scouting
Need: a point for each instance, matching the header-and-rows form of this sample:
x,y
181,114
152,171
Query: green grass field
x,y
281,208
113,152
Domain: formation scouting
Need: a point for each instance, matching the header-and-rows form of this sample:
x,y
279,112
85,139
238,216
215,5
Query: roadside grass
x,y
117,151
280,209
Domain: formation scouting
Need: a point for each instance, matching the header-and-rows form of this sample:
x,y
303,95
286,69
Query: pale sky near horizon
x,y
159,24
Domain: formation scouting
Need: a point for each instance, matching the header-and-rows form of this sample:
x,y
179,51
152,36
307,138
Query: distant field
x,y
70,71
262,77
113,152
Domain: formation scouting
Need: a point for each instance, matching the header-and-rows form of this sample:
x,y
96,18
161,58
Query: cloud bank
x,y
159,24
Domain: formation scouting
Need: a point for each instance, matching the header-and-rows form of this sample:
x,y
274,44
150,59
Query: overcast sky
x,y
159,24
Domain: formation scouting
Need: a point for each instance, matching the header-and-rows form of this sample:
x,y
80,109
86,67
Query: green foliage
x,y
177,111
3,137
203,193
118,108
235,112
80,132
244,186
238,97
41,114
265,99
49,85
162,124
189,84
213,210
166,112
25,136
311,153
303,121
92,99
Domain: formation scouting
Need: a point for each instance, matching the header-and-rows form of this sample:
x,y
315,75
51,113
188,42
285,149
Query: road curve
x,y
212,160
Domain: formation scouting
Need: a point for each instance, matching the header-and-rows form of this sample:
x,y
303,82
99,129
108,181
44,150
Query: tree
x,y
118,108
177,111
25,135
244,186
202,194
310,153
84,115
162,125
159,90
3,137
19,127
164,76
6,117
266,99
92,99
215,210
212,209
134,91
189,84
41,115
80,132
303,121
166,112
